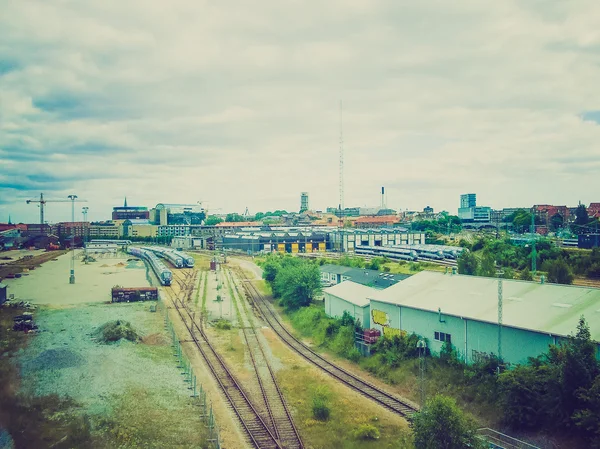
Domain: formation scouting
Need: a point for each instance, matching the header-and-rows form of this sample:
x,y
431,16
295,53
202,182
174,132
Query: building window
x,y
443,337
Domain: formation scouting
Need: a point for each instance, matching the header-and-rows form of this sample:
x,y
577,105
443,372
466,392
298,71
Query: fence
x,y
198,392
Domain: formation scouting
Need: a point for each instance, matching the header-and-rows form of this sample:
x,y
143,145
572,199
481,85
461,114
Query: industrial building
x,y
336,274
280,241
348,297
311,239
130,212
192,242
463,310
588,241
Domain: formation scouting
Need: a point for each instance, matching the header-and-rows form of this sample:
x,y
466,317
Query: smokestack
x,y
383,197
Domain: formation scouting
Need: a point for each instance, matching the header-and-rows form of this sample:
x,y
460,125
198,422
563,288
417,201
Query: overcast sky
x,y
237,103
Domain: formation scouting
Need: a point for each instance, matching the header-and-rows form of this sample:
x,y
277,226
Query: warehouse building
x,y
346,240
348,297
336,274
462,310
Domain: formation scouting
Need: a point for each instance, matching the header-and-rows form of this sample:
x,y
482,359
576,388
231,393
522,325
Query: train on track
x,y
188,261
165,276
386,251
177,258
435,253
165,253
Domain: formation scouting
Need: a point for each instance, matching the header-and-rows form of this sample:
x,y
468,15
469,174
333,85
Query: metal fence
x,y
197,391
498,440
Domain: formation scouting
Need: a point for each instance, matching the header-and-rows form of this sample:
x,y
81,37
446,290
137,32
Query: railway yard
x,y
250,366
258,377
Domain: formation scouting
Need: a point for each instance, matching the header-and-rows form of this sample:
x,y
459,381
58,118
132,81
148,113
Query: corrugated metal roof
x,y
374,278
351,292
549,308
336,269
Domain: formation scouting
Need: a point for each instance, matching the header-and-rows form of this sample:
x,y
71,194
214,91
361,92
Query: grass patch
x,y
347,411
204,295
223,325
141,419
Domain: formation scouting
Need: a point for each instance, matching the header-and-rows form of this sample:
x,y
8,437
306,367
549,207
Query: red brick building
x,y
379,221
594,210
551,215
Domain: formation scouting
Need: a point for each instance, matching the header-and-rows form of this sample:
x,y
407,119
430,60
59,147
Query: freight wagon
x,y
120,294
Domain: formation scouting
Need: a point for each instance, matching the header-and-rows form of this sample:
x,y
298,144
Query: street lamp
x,y
72,276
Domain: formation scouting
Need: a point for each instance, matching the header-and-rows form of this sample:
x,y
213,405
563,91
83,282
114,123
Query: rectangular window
x,y
443,337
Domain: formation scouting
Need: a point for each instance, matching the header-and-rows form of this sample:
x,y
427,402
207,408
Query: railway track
x,y
361,386
257,431
277,410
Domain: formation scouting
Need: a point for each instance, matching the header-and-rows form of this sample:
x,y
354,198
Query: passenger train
x,y
386,251
165,253
165,276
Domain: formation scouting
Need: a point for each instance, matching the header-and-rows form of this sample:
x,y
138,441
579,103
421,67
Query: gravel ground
x,y
65,359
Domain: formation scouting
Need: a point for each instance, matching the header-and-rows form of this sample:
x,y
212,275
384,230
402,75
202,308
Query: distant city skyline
x,y
191,103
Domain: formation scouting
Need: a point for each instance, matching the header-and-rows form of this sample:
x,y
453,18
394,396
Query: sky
x,y
237,104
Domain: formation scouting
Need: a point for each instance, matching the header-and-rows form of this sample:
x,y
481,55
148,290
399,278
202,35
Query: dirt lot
x,y
19,261
69,389
49,284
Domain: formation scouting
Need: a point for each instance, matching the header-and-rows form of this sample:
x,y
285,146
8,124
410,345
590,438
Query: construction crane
x,y
42,202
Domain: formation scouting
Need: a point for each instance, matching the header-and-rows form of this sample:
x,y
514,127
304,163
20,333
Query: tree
x,y
442,425
467,263
581,219
556,222
234,217
559,272
488,265
297,282
526,275
212,220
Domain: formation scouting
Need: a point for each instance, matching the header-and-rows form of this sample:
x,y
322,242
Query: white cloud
x,y
237,103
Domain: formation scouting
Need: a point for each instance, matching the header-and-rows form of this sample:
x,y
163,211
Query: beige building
x,y
143,230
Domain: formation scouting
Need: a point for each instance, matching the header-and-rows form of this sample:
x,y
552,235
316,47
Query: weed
x,y
366,432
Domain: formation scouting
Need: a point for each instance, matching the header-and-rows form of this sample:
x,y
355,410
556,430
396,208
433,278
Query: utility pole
x,y
84,210
421,346
500,305
533,249
72,276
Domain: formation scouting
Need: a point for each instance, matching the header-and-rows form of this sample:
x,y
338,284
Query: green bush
x,y
366,432
320,403
223,324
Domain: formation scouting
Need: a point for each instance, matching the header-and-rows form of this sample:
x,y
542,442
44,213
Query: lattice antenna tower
x,y
341,167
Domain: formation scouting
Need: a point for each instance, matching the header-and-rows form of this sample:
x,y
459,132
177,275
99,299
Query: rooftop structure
x,y
129,212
